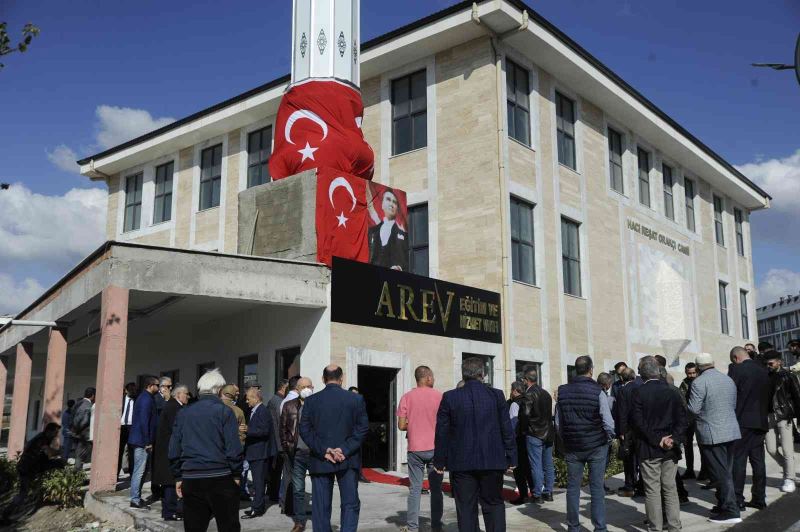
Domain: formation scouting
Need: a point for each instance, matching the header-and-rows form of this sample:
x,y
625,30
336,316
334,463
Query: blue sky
x,y
101,70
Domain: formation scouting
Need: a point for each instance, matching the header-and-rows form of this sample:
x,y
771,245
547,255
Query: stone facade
x,y
639,295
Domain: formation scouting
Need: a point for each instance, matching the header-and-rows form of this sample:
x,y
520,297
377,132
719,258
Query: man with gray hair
x,y
660,422
536,424
712,400
206,458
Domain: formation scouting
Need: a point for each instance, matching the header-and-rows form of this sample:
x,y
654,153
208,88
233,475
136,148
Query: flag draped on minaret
x,y
319,118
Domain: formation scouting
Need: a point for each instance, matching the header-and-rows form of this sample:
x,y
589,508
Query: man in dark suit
x,y
142,437
259,450
623,405
474,441
388,244
171,507
660,421
753,396
333,425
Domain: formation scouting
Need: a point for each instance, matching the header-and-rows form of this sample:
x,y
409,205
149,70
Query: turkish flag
x,y
319,125
342,217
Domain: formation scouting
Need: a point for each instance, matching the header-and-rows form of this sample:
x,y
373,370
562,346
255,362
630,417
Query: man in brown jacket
x,y
229,395
296,450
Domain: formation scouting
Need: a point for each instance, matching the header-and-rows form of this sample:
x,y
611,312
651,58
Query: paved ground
x,y
383,509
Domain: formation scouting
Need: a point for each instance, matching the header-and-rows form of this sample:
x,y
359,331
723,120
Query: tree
x,y
29,31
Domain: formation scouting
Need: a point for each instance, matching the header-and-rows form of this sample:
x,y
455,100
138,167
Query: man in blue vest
x,y
583,419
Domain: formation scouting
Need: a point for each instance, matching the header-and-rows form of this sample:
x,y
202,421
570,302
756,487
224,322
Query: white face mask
x,y
305,392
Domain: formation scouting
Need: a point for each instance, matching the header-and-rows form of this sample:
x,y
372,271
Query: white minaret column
x,y
325,40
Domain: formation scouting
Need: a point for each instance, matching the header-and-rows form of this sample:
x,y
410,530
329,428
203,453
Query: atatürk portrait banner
x,y
364,294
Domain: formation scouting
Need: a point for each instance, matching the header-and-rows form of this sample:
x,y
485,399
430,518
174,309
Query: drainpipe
x,y
502,177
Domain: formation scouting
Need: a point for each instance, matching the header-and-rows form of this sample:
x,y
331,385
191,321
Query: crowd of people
x,y
207,454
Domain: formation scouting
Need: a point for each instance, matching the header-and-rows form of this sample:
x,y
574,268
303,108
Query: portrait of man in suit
x,y
388,240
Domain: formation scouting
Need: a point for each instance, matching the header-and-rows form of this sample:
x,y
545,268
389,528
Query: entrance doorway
x,y
378,385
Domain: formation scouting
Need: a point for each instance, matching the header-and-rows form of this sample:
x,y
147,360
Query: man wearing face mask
x,y
784,406
388,243
297,452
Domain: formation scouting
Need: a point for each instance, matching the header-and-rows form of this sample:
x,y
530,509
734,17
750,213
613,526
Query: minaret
x,y
325,40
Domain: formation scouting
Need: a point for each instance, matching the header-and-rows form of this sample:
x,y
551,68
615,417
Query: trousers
x,y
576,461
470,487
780,431
719,465
659,475
207,497
322,495
750,447
420,462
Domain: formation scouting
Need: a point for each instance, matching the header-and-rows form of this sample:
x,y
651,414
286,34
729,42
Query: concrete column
x,y
54,375
110,383
19,402
3,376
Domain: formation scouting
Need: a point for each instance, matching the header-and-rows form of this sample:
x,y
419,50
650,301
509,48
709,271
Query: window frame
x,y
744,314
644,177
488,365
723,308
413,246
688,204
567,259
738,216
411,114
562,133
513,72
211,178
133,201
165,214
669,190
258,164
517,242
719,225
610,131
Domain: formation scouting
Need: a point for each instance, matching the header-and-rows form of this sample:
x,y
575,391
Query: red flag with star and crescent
x,y
319,125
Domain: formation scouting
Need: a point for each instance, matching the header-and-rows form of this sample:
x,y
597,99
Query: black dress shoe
x,y
742,507
244,497
518,501
252,515
716,510
756,505
709,486
689,475
548,497
537,500
141,505
174,518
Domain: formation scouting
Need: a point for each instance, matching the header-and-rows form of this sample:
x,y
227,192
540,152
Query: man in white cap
x,y
712,400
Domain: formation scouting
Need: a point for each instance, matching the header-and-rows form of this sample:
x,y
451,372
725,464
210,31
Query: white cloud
x,y
51,230
14,296
64,158
780,178
776,284
120,124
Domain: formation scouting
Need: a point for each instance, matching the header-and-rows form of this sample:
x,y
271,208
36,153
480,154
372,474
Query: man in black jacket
x,y
259,449
206,458
536,423
522,473
753,396
624,405
659,420
171,507
784,406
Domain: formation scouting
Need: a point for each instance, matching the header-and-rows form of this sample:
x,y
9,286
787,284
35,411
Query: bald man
x,y
333,425
753,395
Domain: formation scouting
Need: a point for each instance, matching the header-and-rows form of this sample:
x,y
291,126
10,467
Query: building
x,y
779,324
532,171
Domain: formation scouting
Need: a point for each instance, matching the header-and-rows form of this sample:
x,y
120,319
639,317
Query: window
x,y
571,257
565,127
523,266
409,113
719,229
488,366
248,371
418,236
615,160
737,215
259,147
173,374
133,202
723,307
162,210
517,103
669,205
521,365
688,194
644,176
210,176
743,311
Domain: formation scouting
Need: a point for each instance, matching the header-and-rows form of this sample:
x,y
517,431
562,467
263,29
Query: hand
x,y
510,470
243,428
238,481
148,448
339,455
178,490
440,471
329,456
666,442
